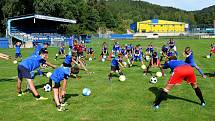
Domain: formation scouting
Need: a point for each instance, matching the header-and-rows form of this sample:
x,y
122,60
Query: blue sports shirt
x,y
60,74
33,62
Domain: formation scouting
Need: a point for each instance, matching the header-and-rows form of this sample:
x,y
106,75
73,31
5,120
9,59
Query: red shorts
x,y
213,50
181,73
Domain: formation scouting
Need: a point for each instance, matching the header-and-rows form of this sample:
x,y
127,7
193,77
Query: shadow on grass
x,y
67,96
211,75
8,80
39,86
157,91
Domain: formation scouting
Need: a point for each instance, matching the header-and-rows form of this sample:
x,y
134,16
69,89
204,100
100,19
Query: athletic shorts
x,y
115,68
56,85
60,52
138,57
23,72
18,55
80,54
156,62
181,73
213,50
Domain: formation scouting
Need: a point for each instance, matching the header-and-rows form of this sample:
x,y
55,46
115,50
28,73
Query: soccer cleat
x,y
42,98
156,107
109,78
60,108
21,94
204,76
64,104
203,104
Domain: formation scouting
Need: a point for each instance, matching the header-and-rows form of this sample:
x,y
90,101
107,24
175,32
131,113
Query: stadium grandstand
x,y
36,28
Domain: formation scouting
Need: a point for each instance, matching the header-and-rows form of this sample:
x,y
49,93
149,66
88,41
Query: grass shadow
x,y
157,91
67,96
39,86
211,75
7,80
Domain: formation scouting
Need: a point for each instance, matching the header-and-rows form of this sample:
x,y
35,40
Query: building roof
x,y
157,21
42,17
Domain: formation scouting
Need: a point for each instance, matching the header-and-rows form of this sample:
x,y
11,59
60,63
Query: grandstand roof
x,y
42,17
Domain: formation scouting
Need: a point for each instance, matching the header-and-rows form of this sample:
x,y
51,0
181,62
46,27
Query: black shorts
x,y
67,65
56,85
104,54
60,52
115,68
80,54
90,52
18,55
23,72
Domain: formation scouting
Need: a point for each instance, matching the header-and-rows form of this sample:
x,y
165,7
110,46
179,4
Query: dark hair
x,y
43,51
74,70
187,50
173,58
154,54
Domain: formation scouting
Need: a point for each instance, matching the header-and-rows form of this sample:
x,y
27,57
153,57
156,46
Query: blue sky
x,y
188,5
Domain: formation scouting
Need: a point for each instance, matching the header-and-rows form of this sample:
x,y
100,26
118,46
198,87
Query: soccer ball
x,y
147,57
143,67
15,62
57,54
103,59
86,92
47,88
159,74
48,74
124,63
122,78
90,59
208,56
153,80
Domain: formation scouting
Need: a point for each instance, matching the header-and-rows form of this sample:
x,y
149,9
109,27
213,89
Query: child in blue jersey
x,y
26,67
104,52
123,51
115,63
116,49
90,53
164,51
38,47
171,44
61,51
59,75
148,52
18,50
137,55
181,71
150,49
129,49
171,53
188,53
70,42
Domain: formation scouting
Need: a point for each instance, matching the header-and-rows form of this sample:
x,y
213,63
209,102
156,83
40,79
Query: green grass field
x,y
120,101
